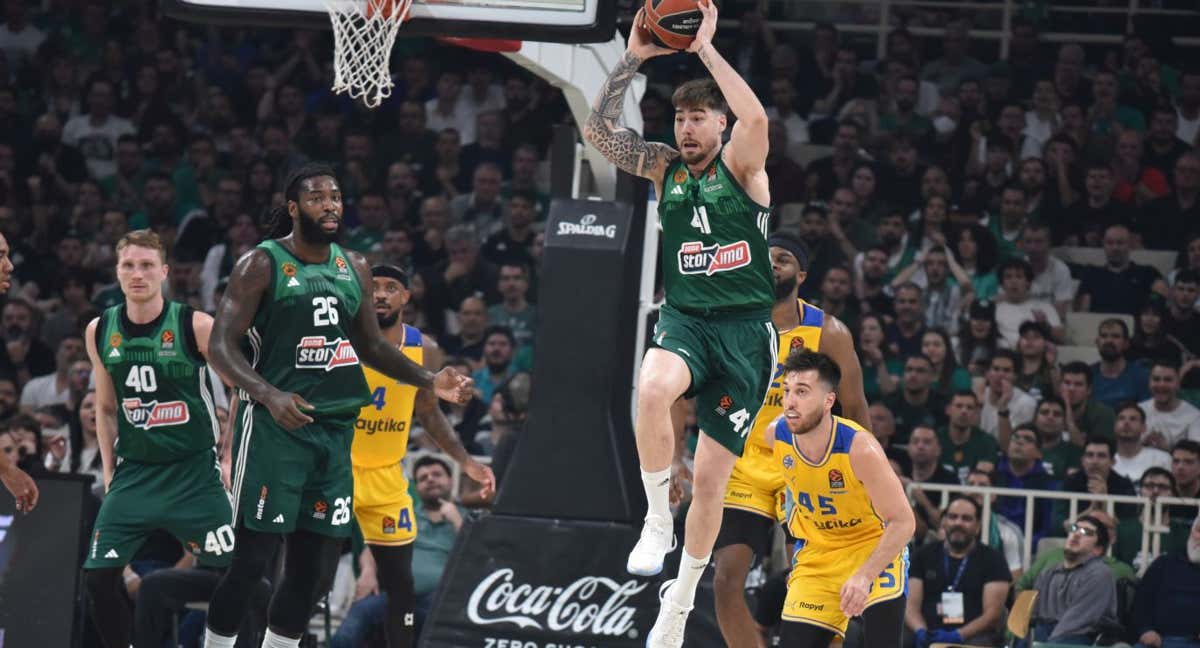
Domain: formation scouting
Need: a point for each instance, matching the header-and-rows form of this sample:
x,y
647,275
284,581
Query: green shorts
x,y
731,358
184,498
287,480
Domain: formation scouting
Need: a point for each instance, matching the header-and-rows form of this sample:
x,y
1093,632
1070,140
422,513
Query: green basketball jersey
x,y
714,243
299,341
165,409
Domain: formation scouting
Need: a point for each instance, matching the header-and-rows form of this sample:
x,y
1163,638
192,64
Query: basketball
x,y
673,23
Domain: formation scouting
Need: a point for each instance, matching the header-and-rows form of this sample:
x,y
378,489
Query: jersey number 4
x,y
700,219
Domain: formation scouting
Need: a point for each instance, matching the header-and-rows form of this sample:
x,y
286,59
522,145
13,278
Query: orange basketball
x,y
673,23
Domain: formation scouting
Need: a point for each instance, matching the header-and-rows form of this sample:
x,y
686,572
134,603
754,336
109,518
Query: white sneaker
x,y
658,540
670,624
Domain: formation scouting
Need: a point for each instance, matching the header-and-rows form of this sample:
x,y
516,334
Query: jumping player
x,y
17,481
289,334
714,340
756,488
849,510
382,504
155,411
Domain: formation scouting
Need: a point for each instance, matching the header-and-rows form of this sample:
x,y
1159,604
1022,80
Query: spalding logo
x,y
587,227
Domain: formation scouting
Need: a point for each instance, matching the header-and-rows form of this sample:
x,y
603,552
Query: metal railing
x,y
1151,513
885,18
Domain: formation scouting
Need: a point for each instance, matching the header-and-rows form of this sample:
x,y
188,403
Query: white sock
x,y
272,640
683,592
658,492
214,640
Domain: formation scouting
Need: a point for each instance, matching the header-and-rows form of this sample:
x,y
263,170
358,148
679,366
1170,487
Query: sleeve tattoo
x,y
621,146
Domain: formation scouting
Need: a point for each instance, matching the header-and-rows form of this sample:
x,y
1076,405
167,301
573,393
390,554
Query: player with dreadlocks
x,y
290,333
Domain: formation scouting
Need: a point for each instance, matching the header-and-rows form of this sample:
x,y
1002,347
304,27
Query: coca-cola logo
x,y
591,604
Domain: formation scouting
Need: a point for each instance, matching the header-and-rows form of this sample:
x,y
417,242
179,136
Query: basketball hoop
x,y
363,34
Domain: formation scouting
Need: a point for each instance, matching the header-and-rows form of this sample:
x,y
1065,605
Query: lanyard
x,y
962,566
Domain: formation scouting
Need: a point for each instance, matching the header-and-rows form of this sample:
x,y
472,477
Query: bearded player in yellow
x,y
850,513
382,503
754,495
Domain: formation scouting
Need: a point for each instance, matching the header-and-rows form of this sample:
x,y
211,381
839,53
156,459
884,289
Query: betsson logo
x,y
587,227
576,607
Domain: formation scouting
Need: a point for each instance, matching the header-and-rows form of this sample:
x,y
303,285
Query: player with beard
x,y
849,510
17,481
289,334
382,504
714,339
755,492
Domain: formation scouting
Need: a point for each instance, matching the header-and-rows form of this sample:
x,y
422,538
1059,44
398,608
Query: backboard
x,y
551,21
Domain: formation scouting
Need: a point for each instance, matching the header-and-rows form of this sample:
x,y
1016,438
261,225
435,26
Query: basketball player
x,y
382,504
17,481
849,510
155,412
714,340
756,488
289,334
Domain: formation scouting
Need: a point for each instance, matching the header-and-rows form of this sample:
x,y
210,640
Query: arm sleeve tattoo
x,y
621,146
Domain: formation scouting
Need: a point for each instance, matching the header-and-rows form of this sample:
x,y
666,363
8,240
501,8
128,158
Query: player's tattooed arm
x,y
621,146
249,281
370,344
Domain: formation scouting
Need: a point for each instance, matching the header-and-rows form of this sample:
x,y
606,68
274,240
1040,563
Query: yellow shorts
x,y
814,593
383,507
756,485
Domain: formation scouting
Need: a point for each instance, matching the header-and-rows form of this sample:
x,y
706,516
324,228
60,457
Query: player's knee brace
x,y
309,569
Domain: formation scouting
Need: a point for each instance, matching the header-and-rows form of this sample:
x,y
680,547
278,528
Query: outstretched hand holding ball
x,y
677,23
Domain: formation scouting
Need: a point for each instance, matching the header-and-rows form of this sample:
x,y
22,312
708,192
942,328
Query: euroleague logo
x,y
836,480
145,415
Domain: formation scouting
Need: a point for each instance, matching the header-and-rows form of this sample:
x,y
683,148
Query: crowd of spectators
x,y
932,185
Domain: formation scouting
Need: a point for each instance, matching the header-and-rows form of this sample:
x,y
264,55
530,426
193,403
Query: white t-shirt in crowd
x,y
1182,423
1187,127
42,391
98,144
1010,317
1132,468
1053,284
1021,409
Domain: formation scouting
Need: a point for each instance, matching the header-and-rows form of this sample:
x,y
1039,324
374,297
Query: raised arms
x,y
621,146
746,153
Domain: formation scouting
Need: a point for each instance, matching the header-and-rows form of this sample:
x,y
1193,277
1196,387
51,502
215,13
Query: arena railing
x,y
1152,514
883,19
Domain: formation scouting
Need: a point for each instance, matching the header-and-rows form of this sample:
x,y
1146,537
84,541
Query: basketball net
x,y
363,34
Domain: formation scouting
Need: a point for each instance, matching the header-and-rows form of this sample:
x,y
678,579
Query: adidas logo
x,y
677,191
278,519
112,553
115,353
292,283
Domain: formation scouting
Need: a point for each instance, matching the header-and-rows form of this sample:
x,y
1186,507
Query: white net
x,y
363,34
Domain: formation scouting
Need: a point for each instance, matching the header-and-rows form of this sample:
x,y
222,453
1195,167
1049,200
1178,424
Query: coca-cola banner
x,y
539,583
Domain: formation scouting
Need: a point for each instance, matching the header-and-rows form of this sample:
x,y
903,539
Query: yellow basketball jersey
x,y
807,335
381,432
830,506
